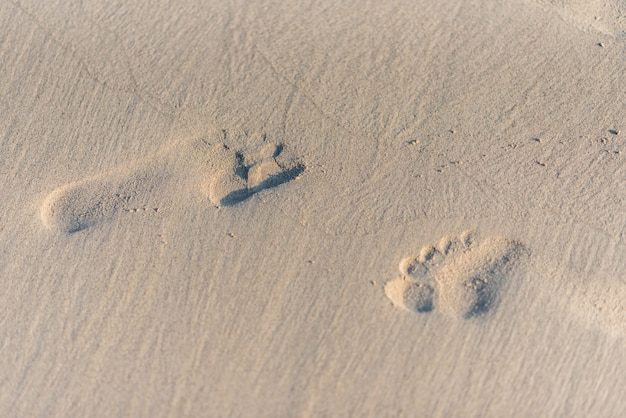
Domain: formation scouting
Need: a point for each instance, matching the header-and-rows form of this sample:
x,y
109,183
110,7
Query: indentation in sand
x,y
458,277
226,170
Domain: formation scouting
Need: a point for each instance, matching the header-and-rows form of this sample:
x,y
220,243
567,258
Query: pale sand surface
x,y
269,208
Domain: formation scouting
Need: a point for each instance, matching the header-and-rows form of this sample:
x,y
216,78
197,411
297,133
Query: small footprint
x,y
227,167
458,277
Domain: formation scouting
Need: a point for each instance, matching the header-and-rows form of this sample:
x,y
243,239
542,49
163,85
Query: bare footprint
x,y
458,277
226,167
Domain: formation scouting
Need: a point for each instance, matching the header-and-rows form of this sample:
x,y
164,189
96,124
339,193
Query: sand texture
x,y
334,208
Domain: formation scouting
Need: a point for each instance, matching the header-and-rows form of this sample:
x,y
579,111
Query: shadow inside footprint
x,y
272,180
410,296
482,303
483,288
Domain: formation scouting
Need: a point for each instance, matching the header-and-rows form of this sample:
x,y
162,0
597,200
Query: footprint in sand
x,y
228,167
458,277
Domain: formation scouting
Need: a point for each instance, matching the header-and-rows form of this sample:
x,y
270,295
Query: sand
x,y
275,209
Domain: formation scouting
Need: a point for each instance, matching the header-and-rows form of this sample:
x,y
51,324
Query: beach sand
x,y
275,209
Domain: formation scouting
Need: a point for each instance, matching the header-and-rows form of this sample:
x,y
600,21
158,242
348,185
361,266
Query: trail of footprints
x,y
458,277
227,167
